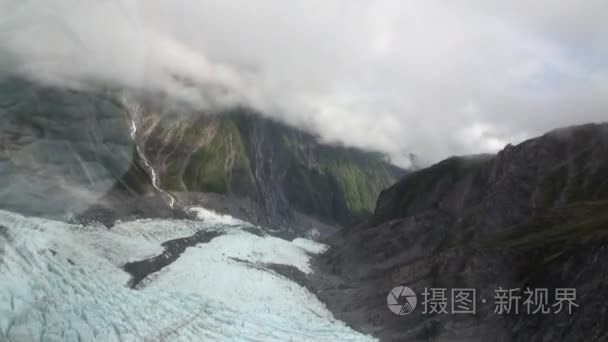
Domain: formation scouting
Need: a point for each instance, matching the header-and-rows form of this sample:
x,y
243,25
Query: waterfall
x,y
134,110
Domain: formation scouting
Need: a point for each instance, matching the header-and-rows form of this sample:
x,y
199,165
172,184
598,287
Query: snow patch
x,y
212,217
310,246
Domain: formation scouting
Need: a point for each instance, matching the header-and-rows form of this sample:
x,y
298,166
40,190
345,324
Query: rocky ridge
x,y
534,215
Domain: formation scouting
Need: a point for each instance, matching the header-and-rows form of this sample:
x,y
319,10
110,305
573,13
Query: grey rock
x,y
60,150
532,216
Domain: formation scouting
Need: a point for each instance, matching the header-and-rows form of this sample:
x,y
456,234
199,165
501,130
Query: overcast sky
x,y
435,78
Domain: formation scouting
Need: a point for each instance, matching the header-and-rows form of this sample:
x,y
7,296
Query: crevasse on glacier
x,y
62,282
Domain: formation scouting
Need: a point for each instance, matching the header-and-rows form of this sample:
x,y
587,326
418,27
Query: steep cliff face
x,y
68,154
97,156
286,174
532,216
60,150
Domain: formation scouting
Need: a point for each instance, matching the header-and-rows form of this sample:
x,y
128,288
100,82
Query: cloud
x,y
434,78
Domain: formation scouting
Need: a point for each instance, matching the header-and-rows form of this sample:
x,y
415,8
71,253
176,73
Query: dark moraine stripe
x,y
139,270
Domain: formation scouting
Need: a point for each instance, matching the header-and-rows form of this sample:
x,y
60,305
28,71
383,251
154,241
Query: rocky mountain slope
x,y
60,150
276,174
532,216
71,153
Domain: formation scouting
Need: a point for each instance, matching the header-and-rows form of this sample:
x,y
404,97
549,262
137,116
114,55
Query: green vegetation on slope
x,y
248,156
209,168
360,175
172,177
573,224
334,180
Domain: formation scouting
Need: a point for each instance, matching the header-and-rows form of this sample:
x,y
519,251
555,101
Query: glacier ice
x,y
62,282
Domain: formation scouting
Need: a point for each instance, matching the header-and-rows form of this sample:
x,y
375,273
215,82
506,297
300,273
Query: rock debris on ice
x,y
62,282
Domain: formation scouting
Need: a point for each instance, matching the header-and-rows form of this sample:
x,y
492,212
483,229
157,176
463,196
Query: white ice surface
x,y
61,282
310,246
213,218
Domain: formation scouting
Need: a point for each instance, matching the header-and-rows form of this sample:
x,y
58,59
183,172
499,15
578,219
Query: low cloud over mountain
x,y
433,78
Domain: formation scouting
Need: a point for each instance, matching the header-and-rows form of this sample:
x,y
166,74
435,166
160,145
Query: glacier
x,y
65,282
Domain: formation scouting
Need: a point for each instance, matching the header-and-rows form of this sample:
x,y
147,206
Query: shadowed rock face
x,y
66,153
532,216
60,150
262,171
